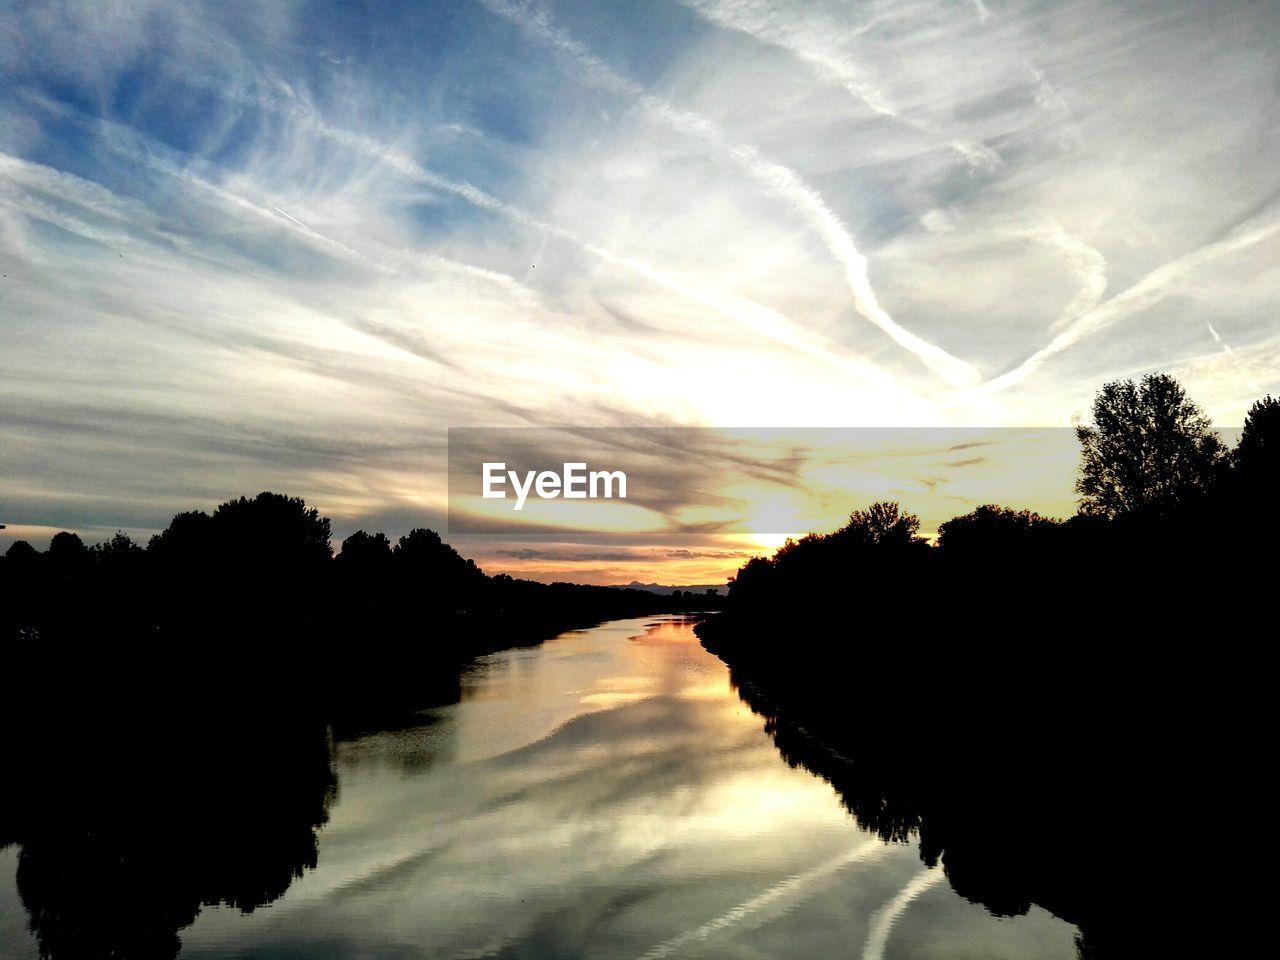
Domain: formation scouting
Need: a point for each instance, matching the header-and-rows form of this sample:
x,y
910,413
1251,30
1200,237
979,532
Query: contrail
x,y
1147,291
870,850
309,231
757,317
754,316
124,141
779,180
37,209
92,196
273,214
141,150
763,26
1090,265
290,216
761,319
882,920
1214,333
1226,349
807,201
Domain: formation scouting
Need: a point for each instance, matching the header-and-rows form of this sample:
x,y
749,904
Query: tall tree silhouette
x,y
1148,447
1257,455
1256,469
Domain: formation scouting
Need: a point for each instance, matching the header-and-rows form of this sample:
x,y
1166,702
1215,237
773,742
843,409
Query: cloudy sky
x,y
287,245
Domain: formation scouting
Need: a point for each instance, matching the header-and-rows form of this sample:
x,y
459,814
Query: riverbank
x,y
1069,780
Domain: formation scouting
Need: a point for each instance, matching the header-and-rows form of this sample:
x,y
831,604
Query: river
x,y
605,794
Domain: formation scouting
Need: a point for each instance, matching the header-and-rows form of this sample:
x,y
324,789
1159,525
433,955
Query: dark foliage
x,y
1255,473
1041,702
1257,455
1049,706
171,709
1148,449
143,799
257,578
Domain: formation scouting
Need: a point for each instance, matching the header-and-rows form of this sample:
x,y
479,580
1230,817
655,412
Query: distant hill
x,y
666,590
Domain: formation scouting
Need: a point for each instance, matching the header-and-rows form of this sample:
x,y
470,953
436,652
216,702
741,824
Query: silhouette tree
x,y
188,537
423,550
992,530
1148,447
67,548
753,577
365,550
273,529
434,571
21,552
1257,455
119,547
884,524
1256,474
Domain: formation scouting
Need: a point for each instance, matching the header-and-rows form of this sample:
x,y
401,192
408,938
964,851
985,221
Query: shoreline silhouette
x,y
1044,705
1023,698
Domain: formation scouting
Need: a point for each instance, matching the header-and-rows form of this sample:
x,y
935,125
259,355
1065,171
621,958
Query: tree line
x,y
254,593
1162,500
172,709
1050,707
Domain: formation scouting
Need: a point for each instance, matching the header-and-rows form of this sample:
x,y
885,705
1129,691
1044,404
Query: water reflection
x,y
1023,809
605,795
128,823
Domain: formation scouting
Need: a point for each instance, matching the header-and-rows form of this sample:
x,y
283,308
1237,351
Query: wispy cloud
x,y
244,249
1161,282
774,177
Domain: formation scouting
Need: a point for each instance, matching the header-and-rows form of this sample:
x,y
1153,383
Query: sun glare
x,y
771,541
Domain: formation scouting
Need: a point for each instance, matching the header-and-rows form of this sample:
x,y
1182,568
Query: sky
x,y
287,246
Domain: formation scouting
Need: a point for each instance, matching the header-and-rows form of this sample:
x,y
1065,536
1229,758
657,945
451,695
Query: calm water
x,y
603,795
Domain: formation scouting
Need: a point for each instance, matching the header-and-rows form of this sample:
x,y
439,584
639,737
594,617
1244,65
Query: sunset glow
x,y
286,249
